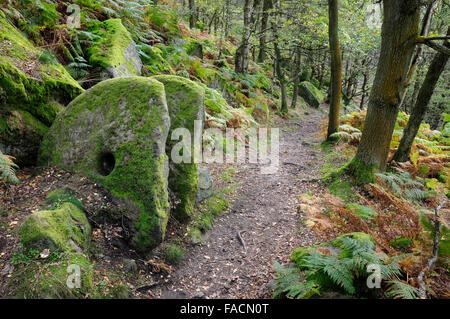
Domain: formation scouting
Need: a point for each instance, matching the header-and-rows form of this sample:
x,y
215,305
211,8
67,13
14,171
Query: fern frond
x,y
400,290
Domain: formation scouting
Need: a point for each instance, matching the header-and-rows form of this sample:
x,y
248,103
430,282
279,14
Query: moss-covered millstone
x,y
114,50
310,94
65,228
185,100
32,92
115,133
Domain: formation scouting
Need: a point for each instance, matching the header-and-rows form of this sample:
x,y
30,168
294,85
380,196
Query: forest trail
x,y
264,215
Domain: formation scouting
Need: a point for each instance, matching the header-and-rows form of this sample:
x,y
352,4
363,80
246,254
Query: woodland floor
x,y
263,212
265,216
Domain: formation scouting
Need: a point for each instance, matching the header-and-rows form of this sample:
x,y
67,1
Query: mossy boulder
x,y
65,228
185,100
32,93
56,279
193,48
115,134
114,50
310,94
154,63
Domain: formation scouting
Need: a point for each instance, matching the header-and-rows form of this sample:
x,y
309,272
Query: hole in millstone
x,y
106,163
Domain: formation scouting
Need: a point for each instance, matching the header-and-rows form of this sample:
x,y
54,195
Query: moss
x,y
402,243
60,196
155,63
193,47
32,91
108,50
310,93
362,173
214,206
128,119
55,229
341,188
27,85
185,102
49,280
173,254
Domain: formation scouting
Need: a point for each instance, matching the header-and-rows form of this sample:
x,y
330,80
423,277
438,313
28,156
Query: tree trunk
x,y
279,71
242,53
336,68
414,62
363,89
420,107
399,33
267,5
192,14
296,77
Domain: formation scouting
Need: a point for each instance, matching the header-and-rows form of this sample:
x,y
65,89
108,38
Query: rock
x,y
65,228
114,50
70,277
185,100
32,93
205,183
199,295
194,48
154,63
310,94
115,134
129,265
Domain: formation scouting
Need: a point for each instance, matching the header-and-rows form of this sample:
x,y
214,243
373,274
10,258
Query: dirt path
x,y
265,215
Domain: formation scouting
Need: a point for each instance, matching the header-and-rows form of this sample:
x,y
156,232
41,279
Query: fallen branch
x,y
239,236
432,261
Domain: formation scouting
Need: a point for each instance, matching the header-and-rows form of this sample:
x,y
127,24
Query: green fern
x,y
7,168
345,271
400,290
404,186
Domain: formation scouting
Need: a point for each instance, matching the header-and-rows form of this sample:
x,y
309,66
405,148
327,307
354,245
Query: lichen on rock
x,y
115,134
185,100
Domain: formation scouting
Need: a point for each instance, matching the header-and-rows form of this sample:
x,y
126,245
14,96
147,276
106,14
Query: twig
x,y
433,260
240,239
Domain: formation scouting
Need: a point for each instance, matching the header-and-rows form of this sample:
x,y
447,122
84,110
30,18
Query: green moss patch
x,y
111,47
65,228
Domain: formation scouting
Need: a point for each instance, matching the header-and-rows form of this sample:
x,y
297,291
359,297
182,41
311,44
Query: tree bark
x,y
192,14
279,72
243,52
425,27
336,68
420,108
296,77
267,5
399,33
